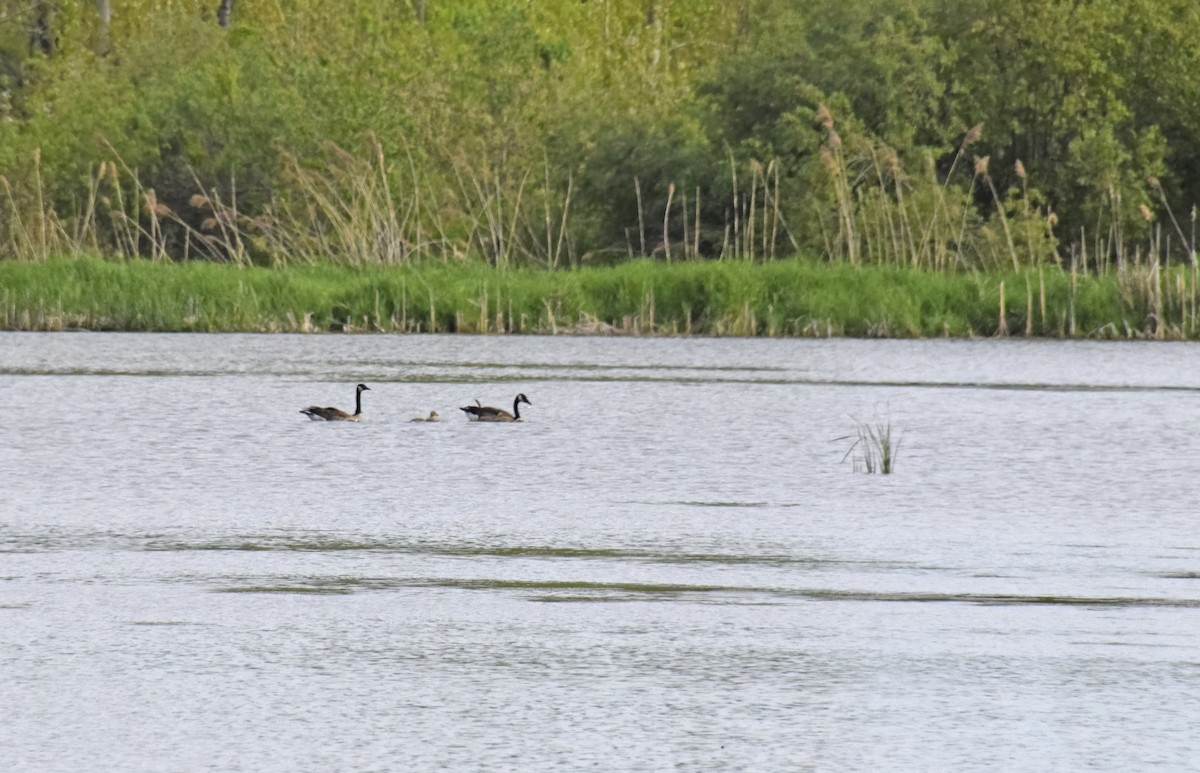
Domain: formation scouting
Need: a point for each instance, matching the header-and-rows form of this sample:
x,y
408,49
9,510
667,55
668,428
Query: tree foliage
x,y
562,132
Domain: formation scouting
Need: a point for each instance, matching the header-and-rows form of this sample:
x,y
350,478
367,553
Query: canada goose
x,y
479,412
433,416
317,413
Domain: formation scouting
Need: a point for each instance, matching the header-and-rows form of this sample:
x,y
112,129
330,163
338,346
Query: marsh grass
x,y
905,252
368,244
872,209
727,298
875,446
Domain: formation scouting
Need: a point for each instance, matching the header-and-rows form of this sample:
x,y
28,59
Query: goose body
x,y
317,413
433,416
479,412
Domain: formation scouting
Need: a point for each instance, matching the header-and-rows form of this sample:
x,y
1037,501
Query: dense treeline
x,y
555,133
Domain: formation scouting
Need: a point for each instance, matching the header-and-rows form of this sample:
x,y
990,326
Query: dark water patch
x,y
585,373
136,373
1002,599
583,598
318,585
528,377
337,544
716,376
300,589
54,541
588,366
317,545
1179,575
577,585
706,503
285,544
1016,386
583,589
590,591
675,591
521,551
1136,644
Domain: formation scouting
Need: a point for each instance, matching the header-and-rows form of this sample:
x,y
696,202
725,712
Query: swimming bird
x,y
479,412
433,416
317,413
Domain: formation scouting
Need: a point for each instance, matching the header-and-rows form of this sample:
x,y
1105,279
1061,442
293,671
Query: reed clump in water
x,y
877,444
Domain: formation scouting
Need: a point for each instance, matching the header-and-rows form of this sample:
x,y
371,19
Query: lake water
x,y
666,566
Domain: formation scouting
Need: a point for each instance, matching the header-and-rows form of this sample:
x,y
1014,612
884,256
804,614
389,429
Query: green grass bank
x,y
779,298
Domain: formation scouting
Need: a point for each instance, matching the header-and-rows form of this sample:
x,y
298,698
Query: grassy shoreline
x,y
794,297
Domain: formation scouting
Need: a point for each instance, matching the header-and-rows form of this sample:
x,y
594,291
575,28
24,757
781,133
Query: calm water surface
x,y
667,566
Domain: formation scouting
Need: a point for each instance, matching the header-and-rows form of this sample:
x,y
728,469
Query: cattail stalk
x,y
637,188
1002,327
667,221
